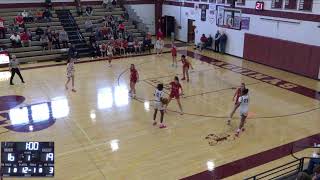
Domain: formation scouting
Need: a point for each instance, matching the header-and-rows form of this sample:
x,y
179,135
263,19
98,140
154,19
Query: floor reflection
x,y
36,117
107,97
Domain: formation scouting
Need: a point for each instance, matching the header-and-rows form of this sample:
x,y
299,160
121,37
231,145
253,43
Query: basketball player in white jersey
x,y
158,105
244,108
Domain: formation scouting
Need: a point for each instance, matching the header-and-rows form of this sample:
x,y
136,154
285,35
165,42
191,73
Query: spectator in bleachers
x,y
19,20
30,16
39,33
88,25
114,3
47,30
89,11
49,34
98,34
13,28
25,39
49,4
147,45
2,29
92,39
39,15
104,32
121,28
130,45
47,15
122,47
55,40
15,40
125,15
95,50
79,8
103,50
44,42
25,15
63,36
137,46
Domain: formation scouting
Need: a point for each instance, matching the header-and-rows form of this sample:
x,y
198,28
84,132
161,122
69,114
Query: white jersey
x,y
158,95
244,104
158,44
158,104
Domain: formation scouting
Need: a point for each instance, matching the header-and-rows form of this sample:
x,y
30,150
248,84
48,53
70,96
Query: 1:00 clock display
x,y
27,159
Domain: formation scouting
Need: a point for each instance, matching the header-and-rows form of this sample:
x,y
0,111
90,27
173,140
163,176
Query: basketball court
x,y
102,133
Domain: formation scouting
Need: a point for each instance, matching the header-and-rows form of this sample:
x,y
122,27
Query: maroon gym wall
x,y
290,56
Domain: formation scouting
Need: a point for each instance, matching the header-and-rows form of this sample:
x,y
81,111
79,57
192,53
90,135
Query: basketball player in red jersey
x,y
185,68
175,88
174,55
134,77
235,98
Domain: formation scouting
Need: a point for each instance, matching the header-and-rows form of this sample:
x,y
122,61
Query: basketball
x,y
164,100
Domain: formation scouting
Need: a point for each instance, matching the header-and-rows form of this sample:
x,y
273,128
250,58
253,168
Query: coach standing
x,y
14,68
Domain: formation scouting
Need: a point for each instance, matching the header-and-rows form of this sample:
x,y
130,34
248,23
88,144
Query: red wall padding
x,y
294,57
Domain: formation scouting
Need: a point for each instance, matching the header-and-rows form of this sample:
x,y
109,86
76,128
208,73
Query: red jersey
x,y
185,63
175,88
24,36
238,94
133,75
19,20
174,51
1,23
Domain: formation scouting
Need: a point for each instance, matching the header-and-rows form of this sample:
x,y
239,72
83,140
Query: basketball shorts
x,y
174,95
244,113
158,105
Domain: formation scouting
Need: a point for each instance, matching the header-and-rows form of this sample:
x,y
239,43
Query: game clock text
x,y
27,159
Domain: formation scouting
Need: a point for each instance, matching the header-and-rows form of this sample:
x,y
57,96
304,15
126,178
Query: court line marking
x,y
142,100
126,138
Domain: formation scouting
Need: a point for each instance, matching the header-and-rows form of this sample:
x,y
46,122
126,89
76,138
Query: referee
x,y
14,68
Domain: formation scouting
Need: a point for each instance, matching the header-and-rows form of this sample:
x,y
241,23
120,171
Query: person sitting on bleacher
x,y
39,15
55,40
19,20
103,49
125,16
315,160
147,45
203,41
316,173
49,4
114,3
15,40
137,47
44,42
88,25
89,11
13,28
39,33
27,16
2,29
25,39
79,8
95,50
209,42
63,37
104,32
47,15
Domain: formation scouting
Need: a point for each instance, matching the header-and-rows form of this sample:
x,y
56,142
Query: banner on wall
x,y
203,14
211,15
245,23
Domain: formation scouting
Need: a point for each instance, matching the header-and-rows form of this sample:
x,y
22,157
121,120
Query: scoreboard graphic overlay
x,y
27,159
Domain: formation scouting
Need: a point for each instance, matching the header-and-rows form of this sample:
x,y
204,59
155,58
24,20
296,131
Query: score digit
x,y
49,157
25,170
11,157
